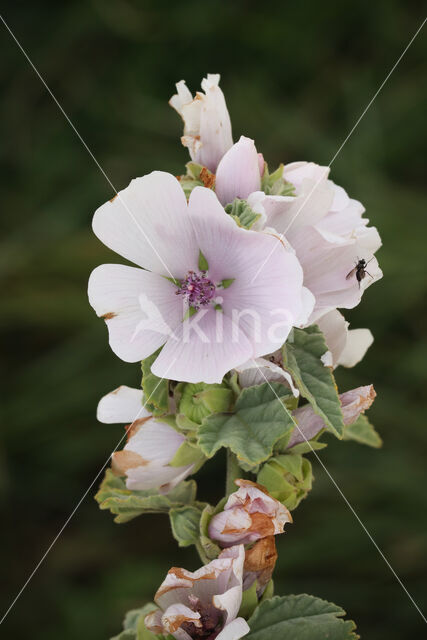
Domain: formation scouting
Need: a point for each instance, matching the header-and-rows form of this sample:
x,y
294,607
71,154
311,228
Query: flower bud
x,y
288,478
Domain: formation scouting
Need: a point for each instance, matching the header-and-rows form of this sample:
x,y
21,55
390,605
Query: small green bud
x,y
196,401
288,478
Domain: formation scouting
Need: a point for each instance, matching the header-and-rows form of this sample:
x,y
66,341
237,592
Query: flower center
x,y
210,620
197,289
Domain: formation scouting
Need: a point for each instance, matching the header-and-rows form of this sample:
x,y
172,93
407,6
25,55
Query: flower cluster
x,y
233,308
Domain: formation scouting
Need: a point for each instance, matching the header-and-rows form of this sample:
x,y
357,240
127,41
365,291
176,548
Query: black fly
x,y
359,270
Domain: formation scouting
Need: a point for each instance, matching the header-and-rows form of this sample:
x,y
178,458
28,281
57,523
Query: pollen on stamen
x,y
197,289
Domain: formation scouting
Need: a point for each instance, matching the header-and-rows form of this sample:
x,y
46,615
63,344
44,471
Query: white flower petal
x,y
260,370
142,224
203,349
238,173
121,405
358,342
127,297
234,630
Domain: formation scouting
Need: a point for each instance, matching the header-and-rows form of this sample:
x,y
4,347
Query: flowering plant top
x,y
233,309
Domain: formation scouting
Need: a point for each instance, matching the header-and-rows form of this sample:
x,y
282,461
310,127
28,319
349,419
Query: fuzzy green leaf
x,y
300,617
156,390
134,627
185,523
302,358
259,420
126,504
363,432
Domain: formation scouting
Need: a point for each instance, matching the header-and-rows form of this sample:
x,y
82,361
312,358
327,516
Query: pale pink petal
x,y
176,614
298,172
229,602
230,526
203,349
121,405
153,621
234,630
335,329
155,476
358,342
155,442
129,299
238,172
142,224
207,126
261,370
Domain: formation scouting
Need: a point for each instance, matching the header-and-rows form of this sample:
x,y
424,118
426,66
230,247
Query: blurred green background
x,y
296,77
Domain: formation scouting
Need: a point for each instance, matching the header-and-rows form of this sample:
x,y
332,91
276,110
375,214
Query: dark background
x,y
296,77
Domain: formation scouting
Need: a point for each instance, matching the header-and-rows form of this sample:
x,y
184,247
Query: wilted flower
x,y
353,403
346,347
203,604
151,444
197,251
260,560
207,126
249,514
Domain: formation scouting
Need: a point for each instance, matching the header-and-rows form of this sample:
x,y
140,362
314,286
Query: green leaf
x,y
362,431
300,617
156,390
126,504
259,420
203,263
242,213
302,358
185,523
274,183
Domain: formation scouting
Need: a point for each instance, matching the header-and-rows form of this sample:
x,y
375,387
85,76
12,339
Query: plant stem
x,y
233,472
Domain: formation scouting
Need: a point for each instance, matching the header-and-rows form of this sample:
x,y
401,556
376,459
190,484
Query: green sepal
x,y
210,549
185,523
258,421
188,453
191,311
249,601
268,591
126,505
227,282
175,281
288,478
156,390
300,617
242,213
203,263
302,359
363,432
198,400
274,184
185,424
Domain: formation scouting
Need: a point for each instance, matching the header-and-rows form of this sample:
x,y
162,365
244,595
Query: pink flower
x,y
353,403
235,315
207,126
249,514
329,235
238,174
151,444
203,604
346,347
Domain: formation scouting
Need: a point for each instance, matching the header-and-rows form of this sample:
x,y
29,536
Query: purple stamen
x,y
197,289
